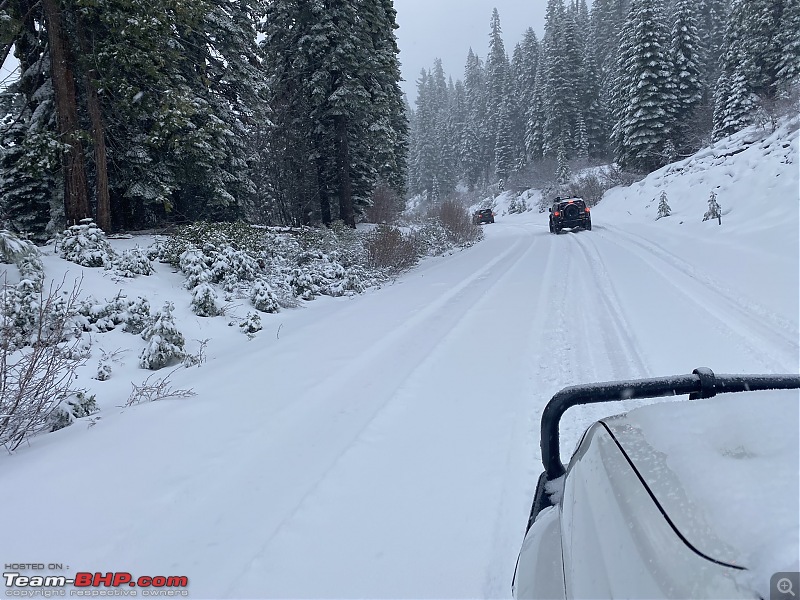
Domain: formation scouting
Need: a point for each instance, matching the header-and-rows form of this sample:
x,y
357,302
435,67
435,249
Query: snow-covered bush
x,y
21,311
303,285
204,301
137,316
432,239
663,207
103,316
132,262
76,406
86,245
103,369
165,344
230,262
193,265
14,249
251,324
263,297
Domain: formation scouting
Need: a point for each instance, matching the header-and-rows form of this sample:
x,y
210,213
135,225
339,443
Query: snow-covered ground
x,y
386,445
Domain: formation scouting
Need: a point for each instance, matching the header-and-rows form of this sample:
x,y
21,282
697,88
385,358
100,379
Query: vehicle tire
x,y
571,212
551,227
589,225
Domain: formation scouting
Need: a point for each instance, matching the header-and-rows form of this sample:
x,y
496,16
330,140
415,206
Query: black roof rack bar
x,y
702,383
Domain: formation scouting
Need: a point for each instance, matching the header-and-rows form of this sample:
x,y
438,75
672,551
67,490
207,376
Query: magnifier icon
x,y
784,586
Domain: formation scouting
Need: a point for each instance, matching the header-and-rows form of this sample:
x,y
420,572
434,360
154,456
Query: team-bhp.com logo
x,y
118,583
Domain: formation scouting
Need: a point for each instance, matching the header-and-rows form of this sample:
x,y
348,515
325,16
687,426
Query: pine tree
x,y
563,173
165,344
524,67
663,207
504,145
685,54
475,145
714,211
498,88
647,97
336,89
30,181
535,115
712,17
788,39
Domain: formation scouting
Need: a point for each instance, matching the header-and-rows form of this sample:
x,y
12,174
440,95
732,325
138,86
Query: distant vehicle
x,y
618,522
571,213
483,216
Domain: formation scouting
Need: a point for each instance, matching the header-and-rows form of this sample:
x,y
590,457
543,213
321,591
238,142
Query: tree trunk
x,y
103,216
76,197
346,211
322,187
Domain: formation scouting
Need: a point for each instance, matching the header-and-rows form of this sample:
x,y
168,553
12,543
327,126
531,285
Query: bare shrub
x,y
388,248
614,176
159,389
770,111
386,205
458,223
588,187
35,379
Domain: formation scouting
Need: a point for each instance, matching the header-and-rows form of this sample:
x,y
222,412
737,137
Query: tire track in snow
x,y
626,357
317,406
740,322
777,325
509,534
489,278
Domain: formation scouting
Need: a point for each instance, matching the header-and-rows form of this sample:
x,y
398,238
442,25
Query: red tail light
x,y
556,214
587,209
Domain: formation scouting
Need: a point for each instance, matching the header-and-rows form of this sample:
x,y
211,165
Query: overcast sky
x,y
446,29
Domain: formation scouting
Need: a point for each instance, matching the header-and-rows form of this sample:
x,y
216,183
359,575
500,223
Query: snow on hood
x,y
727,472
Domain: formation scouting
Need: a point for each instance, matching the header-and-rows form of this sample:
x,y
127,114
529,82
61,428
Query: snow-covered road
x,y
386,446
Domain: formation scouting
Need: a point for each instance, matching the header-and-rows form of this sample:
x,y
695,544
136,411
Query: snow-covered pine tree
x,y
165,344
714,211
263,298
498,87
204,301
524,66
251,324
31,182
647,116
712,17
685,52
754,54
789,40
559,97
504,144
563,173
663,206
535,116
475,145
86,245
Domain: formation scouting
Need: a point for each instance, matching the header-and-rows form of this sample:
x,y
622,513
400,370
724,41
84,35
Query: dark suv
x,y
483,216
569,212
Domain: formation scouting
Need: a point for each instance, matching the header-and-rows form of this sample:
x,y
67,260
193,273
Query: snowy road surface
x,y
387,445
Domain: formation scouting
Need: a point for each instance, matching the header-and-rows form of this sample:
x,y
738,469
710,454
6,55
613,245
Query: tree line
x,y
638,82
138,113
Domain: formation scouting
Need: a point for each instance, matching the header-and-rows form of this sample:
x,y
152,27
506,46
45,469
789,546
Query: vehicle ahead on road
x,y
483,216
571,213
632,516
